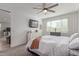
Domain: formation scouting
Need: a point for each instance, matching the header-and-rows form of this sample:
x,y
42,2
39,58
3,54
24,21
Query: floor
x,y
3,44
16,51
5,49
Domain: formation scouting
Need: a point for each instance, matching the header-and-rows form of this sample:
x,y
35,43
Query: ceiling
x,y
27,9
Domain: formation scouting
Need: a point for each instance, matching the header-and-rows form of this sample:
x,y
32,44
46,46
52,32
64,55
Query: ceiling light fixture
x,y
45,11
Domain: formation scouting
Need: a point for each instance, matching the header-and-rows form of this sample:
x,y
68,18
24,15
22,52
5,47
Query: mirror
x,y
5,30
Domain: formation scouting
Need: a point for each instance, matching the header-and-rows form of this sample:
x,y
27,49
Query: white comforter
x,y
52,46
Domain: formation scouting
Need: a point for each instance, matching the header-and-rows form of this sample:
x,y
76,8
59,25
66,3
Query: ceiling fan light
x,y
45,11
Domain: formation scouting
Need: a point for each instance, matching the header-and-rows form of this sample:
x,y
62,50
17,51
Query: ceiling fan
x,y
5,10
46,9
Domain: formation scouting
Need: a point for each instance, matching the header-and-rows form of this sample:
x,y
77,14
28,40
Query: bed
x,y
48,45
51,46
74,52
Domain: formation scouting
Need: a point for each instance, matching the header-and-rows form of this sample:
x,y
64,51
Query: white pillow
x,y
73,36
74,44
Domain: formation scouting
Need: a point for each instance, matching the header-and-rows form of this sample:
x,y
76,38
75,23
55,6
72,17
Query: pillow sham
x,y
74,44
73,36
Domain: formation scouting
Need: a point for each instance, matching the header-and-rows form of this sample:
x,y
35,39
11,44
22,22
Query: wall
x,y
4,25
78,21
72,23
5,19
35,34
19,28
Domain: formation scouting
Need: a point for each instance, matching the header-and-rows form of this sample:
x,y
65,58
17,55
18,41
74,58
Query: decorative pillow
x,y
74,44
35,43
73,36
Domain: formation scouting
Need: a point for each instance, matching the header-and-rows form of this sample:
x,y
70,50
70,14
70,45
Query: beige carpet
x,y
5,49
3,44
17,51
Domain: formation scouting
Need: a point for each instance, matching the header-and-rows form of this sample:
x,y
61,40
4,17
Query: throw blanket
x,y
35,43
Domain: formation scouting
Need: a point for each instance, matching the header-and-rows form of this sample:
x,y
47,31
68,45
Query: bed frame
x,y
34,54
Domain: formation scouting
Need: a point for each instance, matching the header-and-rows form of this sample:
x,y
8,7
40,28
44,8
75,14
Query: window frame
x,y
61,27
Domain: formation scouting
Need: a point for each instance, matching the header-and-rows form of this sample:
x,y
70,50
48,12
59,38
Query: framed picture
x,y
33,23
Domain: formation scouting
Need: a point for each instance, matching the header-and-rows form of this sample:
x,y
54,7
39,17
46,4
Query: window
x,y
58,26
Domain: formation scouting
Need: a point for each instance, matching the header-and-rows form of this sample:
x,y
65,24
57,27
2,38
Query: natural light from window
x,y
58,26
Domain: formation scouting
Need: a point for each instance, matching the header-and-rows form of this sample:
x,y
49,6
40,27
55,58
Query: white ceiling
x,y
27,9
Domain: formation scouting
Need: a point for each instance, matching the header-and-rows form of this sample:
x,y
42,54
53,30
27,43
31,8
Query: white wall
x,y
19,28
4,25
35,34
72,23
5,19
78,21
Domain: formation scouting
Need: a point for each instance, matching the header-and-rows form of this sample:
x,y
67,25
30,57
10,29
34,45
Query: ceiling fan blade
x,y
40,11
37,8
51,11
53,6
5,10
44,5
49,4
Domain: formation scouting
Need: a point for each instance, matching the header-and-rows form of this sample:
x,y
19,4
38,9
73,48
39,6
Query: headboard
x,y
35,34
